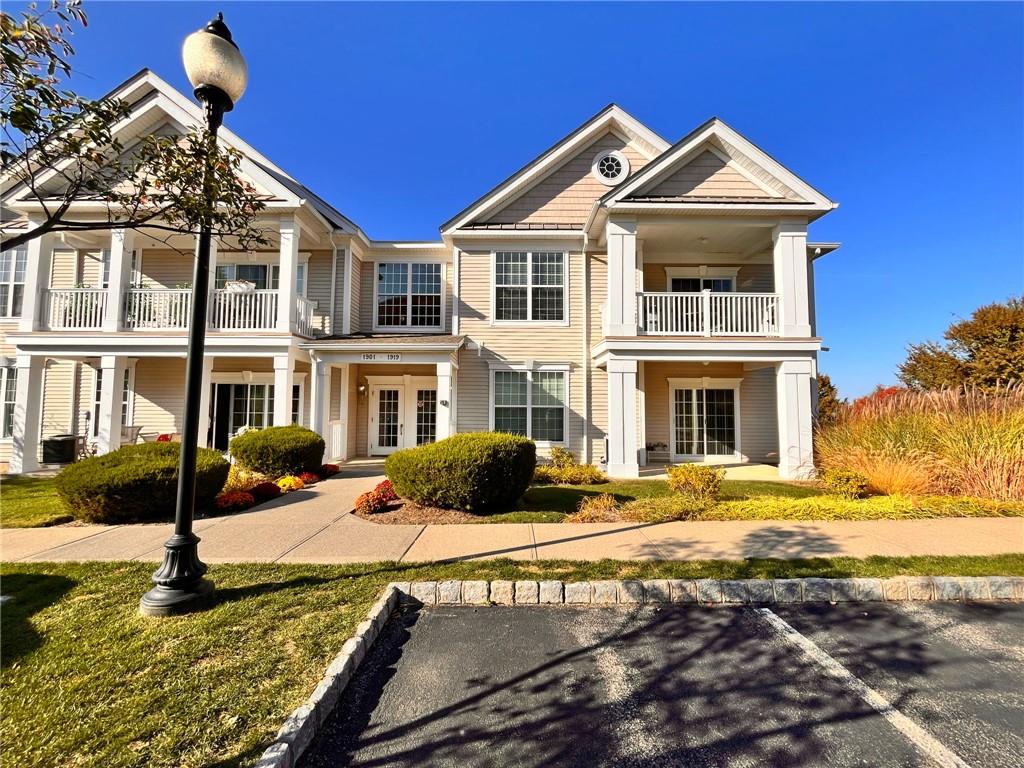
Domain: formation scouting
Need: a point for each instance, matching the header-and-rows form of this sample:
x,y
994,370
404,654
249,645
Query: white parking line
x,y
919,737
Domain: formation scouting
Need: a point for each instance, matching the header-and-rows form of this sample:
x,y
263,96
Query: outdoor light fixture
x,y
218,74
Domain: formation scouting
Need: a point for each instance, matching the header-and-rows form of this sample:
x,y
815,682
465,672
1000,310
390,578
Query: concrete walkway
x,y
314,526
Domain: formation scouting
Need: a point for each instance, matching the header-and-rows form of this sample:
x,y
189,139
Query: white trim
x,y
456,287
529,368
566,306
408,327
407,385
704,383
702,271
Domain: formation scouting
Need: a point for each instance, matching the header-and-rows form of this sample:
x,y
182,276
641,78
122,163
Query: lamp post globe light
x,y
218,74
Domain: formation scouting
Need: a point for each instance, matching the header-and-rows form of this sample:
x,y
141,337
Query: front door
x,y
704,424
387,425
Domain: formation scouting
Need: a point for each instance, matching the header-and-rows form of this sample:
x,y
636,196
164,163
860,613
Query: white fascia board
x,y
328,346
613,117
402,245
145,345
790,209
516,234
727,346
753,357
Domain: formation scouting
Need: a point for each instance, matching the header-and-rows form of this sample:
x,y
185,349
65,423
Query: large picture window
x,y
529,286
12,281
531,403
408,295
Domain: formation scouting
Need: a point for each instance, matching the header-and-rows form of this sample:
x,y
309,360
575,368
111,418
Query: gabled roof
x,y
612,116
146,91
790,189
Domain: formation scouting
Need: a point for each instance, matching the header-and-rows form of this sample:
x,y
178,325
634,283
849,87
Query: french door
x,y
401,416
704,424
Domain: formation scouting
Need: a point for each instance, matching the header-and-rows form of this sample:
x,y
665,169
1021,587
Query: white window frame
x,y
8,286
704,382
701,272
269,261
530,369
408,296
250,377
7,372
564,322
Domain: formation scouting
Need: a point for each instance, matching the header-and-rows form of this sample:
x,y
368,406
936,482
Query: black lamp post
x,y
218,74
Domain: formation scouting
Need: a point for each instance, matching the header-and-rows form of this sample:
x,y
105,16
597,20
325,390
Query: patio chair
x,y
130,434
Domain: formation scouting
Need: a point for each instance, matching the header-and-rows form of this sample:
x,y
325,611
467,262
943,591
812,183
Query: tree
x,y
60,147
985,350
829,403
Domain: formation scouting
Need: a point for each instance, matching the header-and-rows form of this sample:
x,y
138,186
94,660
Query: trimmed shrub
x,y
136,483
234,501
279,450
473,471
309,478
329,470
696,481
290,483
844,483
266,491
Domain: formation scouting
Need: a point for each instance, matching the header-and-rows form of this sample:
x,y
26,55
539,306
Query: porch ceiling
x,y
670,235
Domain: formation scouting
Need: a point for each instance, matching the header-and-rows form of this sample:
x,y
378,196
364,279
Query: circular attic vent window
x,y
610,168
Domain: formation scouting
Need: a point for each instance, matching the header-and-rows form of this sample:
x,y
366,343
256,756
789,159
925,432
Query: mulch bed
x,y
407,513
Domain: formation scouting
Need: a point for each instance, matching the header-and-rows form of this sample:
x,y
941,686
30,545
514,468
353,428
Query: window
x,y
531,403
105,271
408,295
9,381
126,397
698,284
263,276
252,405
529,286
12,281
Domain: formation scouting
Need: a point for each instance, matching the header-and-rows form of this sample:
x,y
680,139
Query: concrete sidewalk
x,y
314,526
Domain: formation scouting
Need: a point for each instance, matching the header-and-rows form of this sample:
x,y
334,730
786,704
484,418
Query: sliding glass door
x,y
704,423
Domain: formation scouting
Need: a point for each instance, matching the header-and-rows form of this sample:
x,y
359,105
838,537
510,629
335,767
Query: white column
x,y
204,403
445,413
789,258
343,413
622,417
796,418
111,396
28,403
121,241
289,261
284,377
620,309
38,262
318,398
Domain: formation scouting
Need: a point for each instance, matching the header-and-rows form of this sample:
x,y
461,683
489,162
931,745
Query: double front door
x,y
704,423
402,415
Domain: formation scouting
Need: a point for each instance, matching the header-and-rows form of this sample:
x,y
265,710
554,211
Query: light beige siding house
x,y
633,301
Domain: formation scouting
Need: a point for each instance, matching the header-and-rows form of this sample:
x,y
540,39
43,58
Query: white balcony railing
x,y
158,309
253,311
76,308
708,314
303,323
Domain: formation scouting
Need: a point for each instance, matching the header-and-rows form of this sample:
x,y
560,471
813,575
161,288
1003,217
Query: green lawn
x,y
30,502
760,500
88,682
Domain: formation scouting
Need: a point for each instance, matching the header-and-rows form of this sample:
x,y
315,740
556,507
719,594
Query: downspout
x,y
586,353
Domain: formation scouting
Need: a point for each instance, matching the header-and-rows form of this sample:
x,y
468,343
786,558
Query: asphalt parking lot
x,y
879,685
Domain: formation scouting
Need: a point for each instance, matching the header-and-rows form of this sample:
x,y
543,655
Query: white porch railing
x,y
302,323
158,309
254,311
76,308
708,314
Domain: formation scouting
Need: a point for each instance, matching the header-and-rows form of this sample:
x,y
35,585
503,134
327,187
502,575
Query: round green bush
x,y
473,471
279,451
136,483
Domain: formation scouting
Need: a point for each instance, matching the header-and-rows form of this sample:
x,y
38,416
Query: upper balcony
x,y
169,310
708,314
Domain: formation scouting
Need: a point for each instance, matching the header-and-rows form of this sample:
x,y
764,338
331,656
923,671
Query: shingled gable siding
x,y
751,278
707,174
566,195
538,343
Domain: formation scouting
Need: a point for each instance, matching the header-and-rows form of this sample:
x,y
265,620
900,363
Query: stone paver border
x,y
302,725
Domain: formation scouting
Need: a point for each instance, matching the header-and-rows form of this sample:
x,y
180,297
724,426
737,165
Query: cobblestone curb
x,y
715,591
302,725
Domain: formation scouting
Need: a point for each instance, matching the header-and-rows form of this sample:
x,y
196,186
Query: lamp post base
x,y
165,601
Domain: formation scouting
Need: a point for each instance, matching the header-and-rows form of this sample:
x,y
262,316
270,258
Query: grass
x,y
30,502
87,681
761,500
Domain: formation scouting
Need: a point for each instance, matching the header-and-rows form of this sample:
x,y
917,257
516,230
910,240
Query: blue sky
x,y
910,115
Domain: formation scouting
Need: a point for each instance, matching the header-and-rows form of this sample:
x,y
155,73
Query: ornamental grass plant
x,y
965,442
